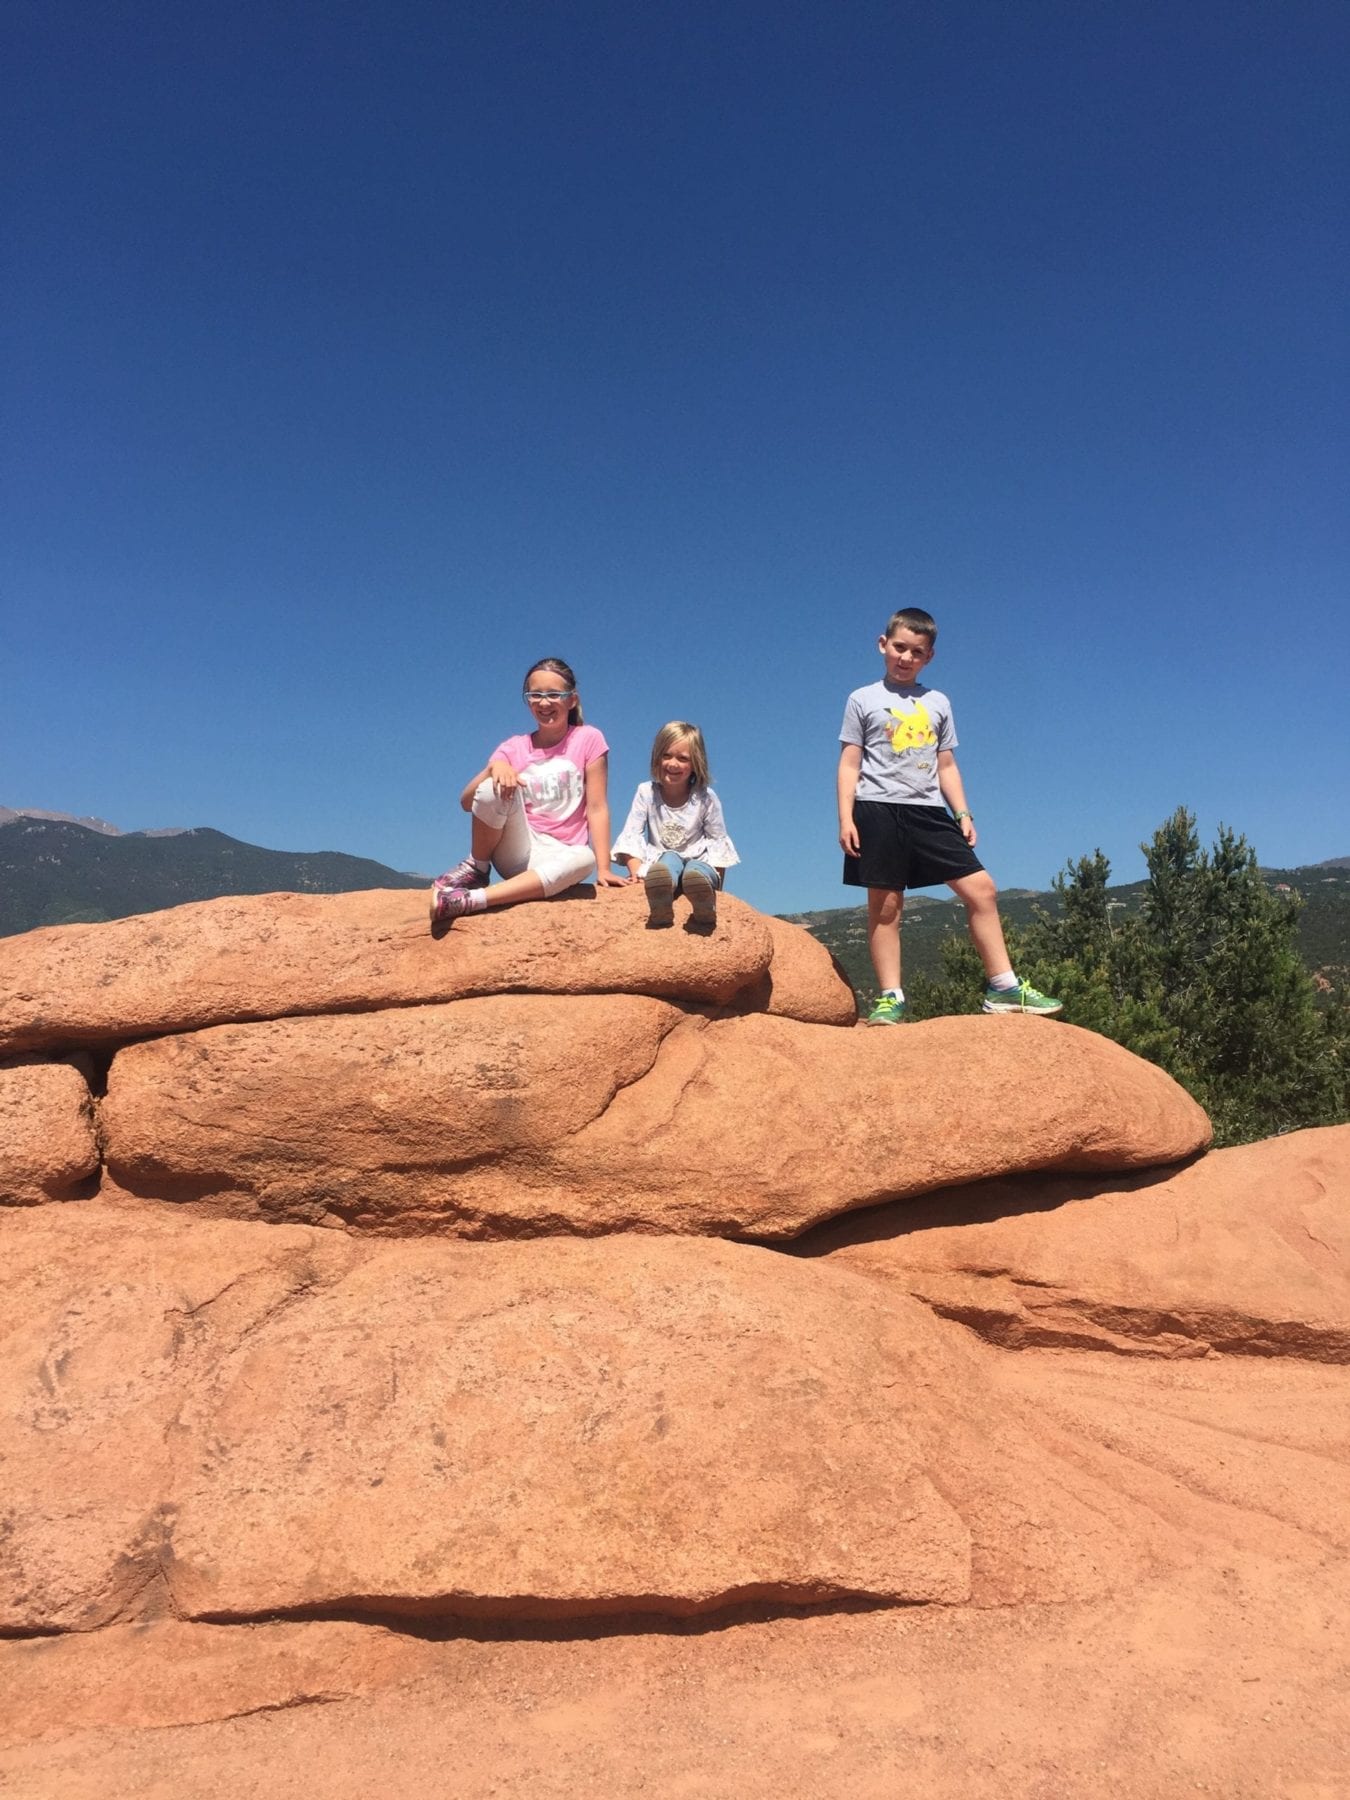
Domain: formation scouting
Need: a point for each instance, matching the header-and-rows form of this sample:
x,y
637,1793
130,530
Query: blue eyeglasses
x,y
533,694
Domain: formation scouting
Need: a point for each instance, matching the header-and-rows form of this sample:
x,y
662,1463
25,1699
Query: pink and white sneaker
x,y
449,903
466,874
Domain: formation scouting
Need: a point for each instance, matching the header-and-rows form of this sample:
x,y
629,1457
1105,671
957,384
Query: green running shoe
x,y
1023,998
887,1010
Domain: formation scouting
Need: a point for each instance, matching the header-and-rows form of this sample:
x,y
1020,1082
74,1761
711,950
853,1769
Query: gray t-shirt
x,y
901,730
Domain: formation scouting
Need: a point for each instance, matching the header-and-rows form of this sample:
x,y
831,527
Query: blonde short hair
x,y
698,753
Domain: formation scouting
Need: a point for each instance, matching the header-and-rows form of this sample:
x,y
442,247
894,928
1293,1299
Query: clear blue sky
x,y
355,356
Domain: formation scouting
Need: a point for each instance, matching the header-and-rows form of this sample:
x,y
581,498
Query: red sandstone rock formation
x,y
47,1145
531,1113
272,956
544,1430
297,1510
223,1421
1246,1251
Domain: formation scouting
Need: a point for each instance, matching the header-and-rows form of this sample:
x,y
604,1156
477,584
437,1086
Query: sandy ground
x,y
1231,1680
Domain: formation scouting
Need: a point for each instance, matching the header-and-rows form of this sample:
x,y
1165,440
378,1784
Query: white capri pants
x,y
557,865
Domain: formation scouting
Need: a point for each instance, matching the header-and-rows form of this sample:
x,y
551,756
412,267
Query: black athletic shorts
x,y
907,847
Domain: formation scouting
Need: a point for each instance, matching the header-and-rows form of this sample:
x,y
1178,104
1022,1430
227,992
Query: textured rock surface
x,y
1050,1473
48,1149
1229,1675
1246,1251
536,1114
275,955
105,1323
795,1122
803,980
1231,1680
564,1430
233,1420
407,1118
226,1420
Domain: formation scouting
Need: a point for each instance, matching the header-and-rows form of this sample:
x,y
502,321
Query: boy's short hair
x,y
698,752
912,618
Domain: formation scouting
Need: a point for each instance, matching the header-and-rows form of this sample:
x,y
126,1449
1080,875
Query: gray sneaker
x,y
660,894
701,895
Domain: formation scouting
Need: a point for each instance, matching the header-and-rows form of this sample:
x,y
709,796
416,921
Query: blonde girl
x,y
674,839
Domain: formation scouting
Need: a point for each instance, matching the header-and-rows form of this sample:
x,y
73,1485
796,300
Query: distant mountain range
x,y
56,870
9,813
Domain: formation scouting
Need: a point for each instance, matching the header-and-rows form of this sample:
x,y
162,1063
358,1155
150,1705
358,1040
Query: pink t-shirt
x,y
553,781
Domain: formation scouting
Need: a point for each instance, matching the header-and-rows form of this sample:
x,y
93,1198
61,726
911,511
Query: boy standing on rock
x,y
897,781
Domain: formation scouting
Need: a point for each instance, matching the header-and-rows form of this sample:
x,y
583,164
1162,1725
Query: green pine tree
x,y
1206,980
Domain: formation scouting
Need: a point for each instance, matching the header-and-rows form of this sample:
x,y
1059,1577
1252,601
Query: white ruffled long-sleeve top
x,y
696,829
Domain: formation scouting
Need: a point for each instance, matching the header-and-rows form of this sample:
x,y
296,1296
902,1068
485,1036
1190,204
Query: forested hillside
x,y
54,872
1231,977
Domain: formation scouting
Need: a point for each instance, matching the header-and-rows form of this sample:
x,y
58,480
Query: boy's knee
x,y
979,891
884,905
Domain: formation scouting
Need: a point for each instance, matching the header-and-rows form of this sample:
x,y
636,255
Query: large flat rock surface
x,y
528,1114
277,955
659,1515
1230,1679
224,1420
234,1420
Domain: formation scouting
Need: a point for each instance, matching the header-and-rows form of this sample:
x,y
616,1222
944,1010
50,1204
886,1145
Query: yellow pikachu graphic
x,y
912,728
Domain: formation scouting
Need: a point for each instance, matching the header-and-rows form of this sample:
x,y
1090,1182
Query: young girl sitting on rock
x,y
533,807
675,838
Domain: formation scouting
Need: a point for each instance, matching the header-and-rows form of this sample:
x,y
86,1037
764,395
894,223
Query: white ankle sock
x,y
1002,983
